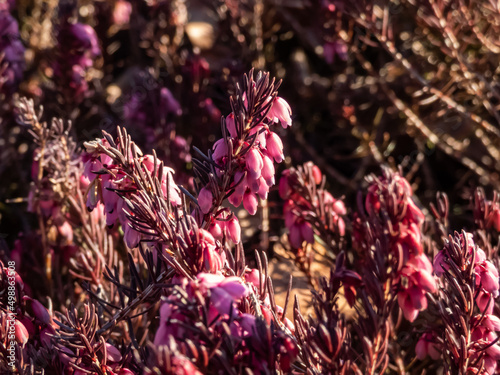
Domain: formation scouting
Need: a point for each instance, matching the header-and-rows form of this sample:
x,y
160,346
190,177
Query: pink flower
x,y
275,147
482,337
263,190
213,259
494,218
339,207
236,198
37,310
224,291
233,229
215,229
205,200
131,236
415,281
268,170
317,175
250,202
114,354
280,112
426,346
91,166
220,151
21,333
252,277
490,321
487,277
254,163
173,190
231,126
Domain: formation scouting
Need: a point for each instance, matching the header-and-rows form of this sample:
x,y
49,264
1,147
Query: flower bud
x,y
253,277
263,189
231,125
131,236
280,111
268,170
220,150
254,163
215,229
250,202
22,334
37,310
114,354
275,147
339,207
234,229
236,198
317,175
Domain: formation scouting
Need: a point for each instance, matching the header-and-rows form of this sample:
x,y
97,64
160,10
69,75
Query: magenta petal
x,y
418,298
205,200
275,147
234,230
494,351
254,163
234,287
426,281
295,237
307,233
235,199
421,348
114,354
221,300
231,126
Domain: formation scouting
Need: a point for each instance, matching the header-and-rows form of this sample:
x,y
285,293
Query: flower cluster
x,y
308,207
469,285
486,273
110,181
11,53
485,341
222,294
389,202
214,310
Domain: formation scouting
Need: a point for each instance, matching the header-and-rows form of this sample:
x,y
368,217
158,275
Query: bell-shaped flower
x,y
275,147
280,112
250,202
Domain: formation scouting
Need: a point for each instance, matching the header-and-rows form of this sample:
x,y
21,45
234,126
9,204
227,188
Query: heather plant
x,y
168,209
